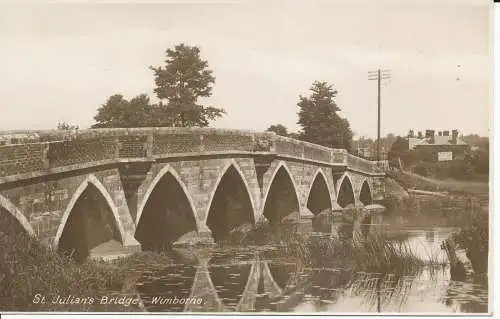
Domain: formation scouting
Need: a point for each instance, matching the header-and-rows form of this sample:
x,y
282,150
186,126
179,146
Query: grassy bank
x,y
414,181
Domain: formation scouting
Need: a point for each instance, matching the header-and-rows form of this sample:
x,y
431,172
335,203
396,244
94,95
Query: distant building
x,y
364,152
437,148
368,149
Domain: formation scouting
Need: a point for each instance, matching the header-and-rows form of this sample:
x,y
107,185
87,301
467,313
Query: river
x,y
228,279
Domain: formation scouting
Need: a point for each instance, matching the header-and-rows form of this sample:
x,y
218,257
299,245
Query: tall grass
x,y
374,254
27,268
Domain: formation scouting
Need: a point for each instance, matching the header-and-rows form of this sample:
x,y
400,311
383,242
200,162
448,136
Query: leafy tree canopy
x,y
179,84
279,129
399,146
319,119
119,112
184,79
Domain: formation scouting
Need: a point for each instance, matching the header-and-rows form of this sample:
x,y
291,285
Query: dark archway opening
x,y
281,199
231,206
166,216
319,196
346,193
90,228
365,196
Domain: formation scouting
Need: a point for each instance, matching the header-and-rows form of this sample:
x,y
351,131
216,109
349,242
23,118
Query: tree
x,y
319,119
400,150
179,84
479,156
476,140
279,129
63,126
118,112
399,146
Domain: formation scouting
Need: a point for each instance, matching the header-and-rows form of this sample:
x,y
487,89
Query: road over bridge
x,y
148,187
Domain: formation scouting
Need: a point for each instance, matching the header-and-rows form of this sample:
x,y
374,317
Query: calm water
x,y
241,279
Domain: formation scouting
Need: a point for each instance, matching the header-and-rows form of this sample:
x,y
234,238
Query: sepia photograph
x,y
324,157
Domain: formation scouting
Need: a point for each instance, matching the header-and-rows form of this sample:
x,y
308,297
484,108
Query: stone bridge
x,y
76,190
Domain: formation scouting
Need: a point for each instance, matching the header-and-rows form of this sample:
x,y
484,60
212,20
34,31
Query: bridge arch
x,y
365,193
166,212
8,206
320,193
166,170
230,189
90,182
345,192
273,209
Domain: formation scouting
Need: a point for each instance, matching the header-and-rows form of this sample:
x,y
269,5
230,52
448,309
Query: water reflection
x,y
157,284
245,280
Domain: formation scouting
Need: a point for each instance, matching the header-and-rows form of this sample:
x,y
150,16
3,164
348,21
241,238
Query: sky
x,y
61,61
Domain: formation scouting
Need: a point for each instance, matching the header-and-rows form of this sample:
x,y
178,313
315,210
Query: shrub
x,y
474,238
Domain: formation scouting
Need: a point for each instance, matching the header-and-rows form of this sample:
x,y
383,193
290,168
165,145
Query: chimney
x,y
432,137
446,133
454,135
420,134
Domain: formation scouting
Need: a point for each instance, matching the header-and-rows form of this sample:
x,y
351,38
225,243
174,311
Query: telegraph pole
x,y
378,75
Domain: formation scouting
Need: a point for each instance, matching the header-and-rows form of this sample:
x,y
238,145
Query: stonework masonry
x,y
44,178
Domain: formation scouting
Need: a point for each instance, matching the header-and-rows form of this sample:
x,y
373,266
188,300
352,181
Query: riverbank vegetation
x,y
30,272
465,204
374,254
473,237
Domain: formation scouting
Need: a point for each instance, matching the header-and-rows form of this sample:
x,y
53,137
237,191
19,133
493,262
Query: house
x,y
437,148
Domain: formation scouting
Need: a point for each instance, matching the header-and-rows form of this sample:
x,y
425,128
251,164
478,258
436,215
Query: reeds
x,y
28,270
375,254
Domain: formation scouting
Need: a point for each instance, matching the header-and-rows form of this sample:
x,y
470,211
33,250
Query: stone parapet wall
x,y
52,149
21,158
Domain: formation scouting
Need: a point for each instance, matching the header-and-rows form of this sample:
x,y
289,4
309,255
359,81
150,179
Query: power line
x,y
379,75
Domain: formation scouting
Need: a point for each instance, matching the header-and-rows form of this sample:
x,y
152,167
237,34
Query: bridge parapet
x,y
305,150
366,165
49,150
